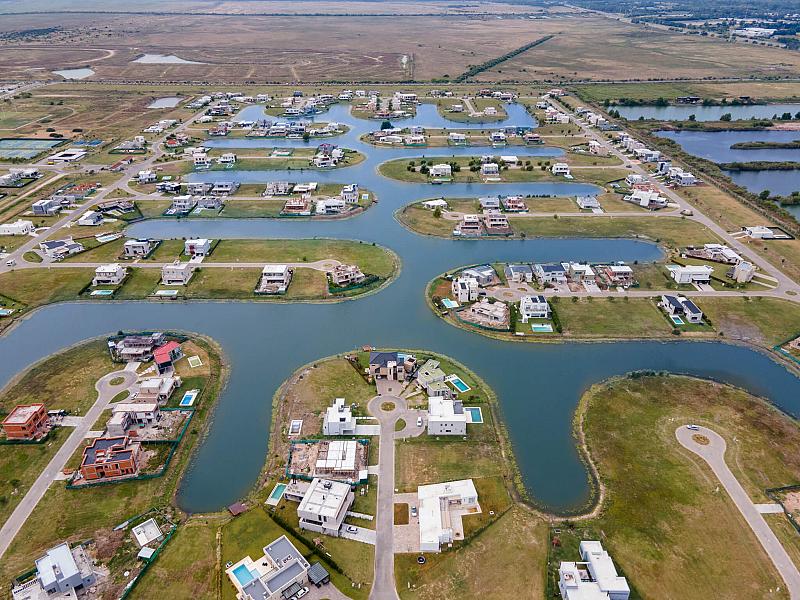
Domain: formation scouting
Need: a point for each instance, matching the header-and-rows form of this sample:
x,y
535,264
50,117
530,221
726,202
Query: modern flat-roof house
x,y
683,274
429,373
593,579
483,274
349,193
514,204
26,422
46,207
680,306
178,273
621,275
197,247
344,275
560,169
441,171
18,227
392,366
61,570
468,226
465,289
135,347
496,224
534,307
325,505
274,279
439,203
339,419
490,169
138,248
550,273
489,203
57,249
518,273
91,218
446,416
131,414
579,272
441,507
492,314
111,274
743,272
271,576
588,202
110,457
157,389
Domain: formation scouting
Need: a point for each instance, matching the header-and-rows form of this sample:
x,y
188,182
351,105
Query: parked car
x,y
301,593
693,427
351,529
413,511
419,421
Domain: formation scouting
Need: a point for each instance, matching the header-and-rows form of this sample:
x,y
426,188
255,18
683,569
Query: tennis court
x,y
25,148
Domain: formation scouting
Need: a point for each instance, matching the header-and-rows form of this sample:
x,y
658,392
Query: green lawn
x,y
605,317
762,321
665,513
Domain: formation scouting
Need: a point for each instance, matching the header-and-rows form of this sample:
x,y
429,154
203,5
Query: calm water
x,y
170,102
706,113
716,146
538,385
75,73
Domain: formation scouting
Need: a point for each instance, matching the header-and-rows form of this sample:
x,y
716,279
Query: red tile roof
x,y
162,353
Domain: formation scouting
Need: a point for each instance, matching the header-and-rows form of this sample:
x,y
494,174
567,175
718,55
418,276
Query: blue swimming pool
x,y
448,303
475,414
102,292
188,398
677,320
458,383
243,575
277,491
542,327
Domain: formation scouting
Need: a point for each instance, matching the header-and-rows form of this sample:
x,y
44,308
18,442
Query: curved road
x,y
714,454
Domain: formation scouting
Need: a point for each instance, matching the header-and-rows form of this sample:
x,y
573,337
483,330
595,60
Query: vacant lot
x,y
665,517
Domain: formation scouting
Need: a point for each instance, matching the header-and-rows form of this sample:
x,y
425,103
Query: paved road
x,y
383,585
105,393
714,454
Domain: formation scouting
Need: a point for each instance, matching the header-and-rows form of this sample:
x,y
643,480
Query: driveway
x,y
105,393
713,452
367,536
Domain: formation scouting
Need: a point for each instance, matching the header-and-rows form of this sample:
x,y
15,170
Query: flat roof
x,y
22,414
57,563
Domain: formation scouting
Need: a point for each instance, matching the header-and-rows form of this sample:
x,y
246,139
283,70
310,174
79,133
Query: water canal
x,y
538,385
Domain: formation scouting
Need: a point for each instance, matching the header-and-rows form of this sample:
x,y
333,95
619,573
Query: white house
x,y
680,306
588,202
59,572
595,578
339,419
229,158
490,169
743,272
483,274
534,307
548,273
349,193
560,169
329,206
266,578
90,218
759,232
138,248
440,203
18,227
177,273
274,279
146,177
325,505
465,289
197,247
111,274
690,273
442,170
441,508
446,417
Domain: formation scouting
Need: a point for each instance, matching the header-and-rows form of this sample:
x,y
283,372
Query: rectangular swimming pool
x,y
541,328
188,398
243,575
448,303
458,383
474,413
276,494
677,320
102,293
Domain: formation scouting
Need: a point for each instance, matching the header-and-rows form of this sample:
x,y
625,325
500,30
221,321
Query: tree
x,y
764,195
692,118
437,212
726,117
386,125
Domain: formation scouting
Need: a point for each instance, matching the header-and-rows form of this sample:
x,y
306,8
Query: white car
x,y
419,421
301,593
693,427
351,529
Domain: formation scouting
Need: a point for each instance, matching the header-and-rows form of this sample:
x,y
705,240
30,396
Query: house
x,y
518,273
274,279
634,179
721,253
228,158
210,202
329,206
743,272
496,224
484,312
679,306
58,249
593,579
349,193
429,373
759,232
439,203
392,366
138,248
273,576
90,218
183,204
597,148
621,275
177,273
111,274
199,188
560,169
649,199
147,176
465,289
534,307
514,204
18,227
579,272
469,226
441,508
201,160
457,139
224,188
489,203
26,422
498,138
338,419
588,202
137,348
197,247
446,416
549,273
46,207
484,274
61,572
157,389
687,274
131,414
165,357
324,506
323,161
345,275
297,206
441,171
110,457
490,169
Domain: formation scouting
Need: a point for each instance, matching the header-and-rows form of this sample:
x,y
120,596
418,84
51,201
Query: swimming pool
x,y
475,414
677,320
243,575
541,328
167,293
4,312
101,292
458,383
276,494
188,398
449,303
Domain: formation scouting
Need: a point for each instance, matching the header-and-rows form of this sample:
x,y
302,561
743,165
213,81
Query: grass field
x,y
664,515
607,317
650,92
